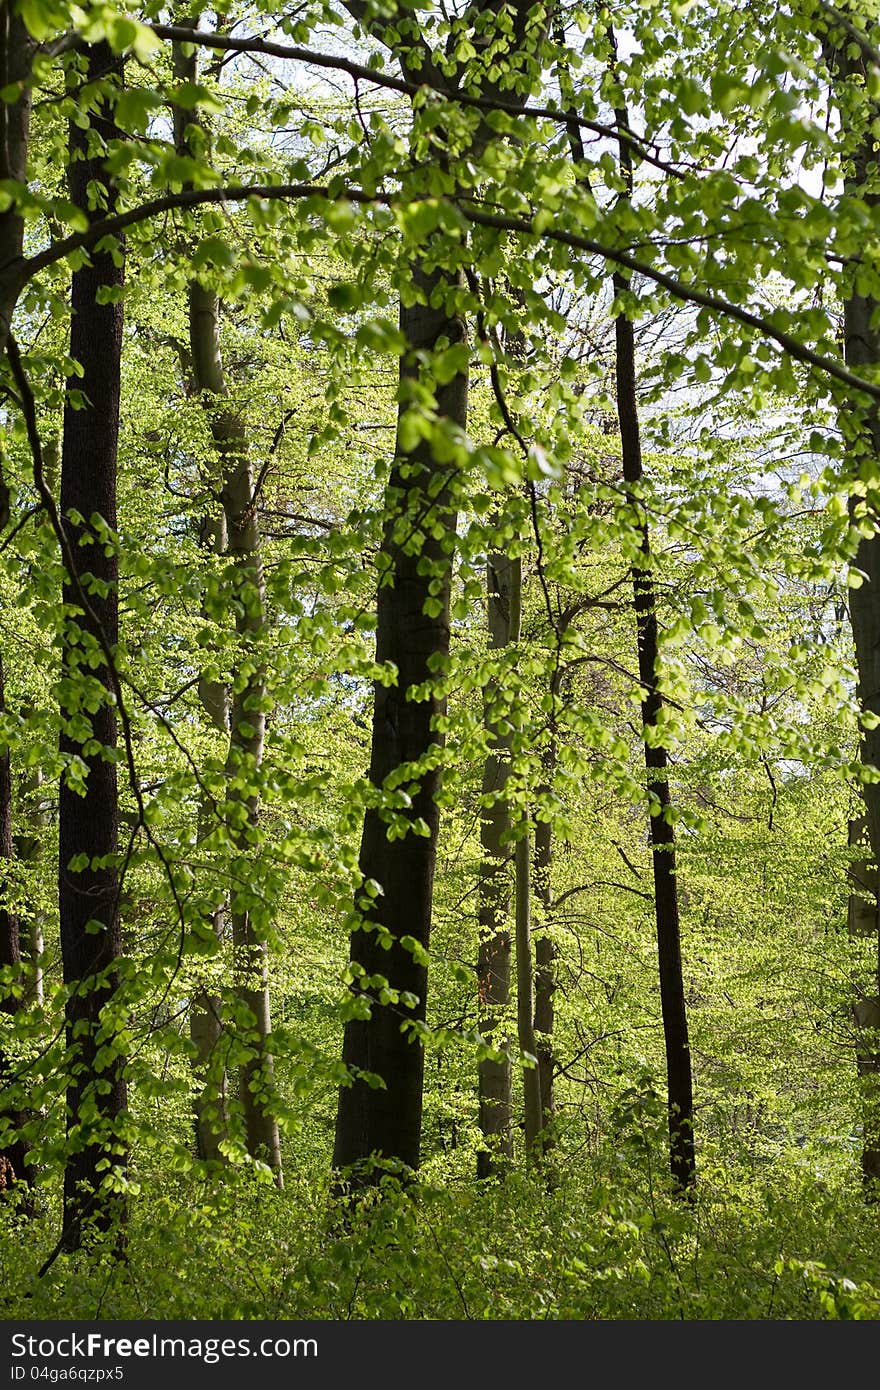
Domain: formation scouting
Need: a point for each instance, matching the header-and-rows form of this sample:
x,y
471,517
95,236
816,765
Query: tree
x,y
389,953
503,605
88,810
861,429
238,533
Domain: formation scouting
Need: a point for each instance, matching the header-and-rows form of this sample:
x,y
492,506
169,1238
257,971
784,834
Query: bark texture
x,y
861,429
682,1155
88,896
679,1073
17,50
494,948
239,530
203,371
863,921
525,991
385,1121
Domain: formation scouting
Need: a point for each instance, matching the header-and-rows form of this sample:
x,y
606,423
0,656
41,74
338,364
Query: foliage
x,y
744,239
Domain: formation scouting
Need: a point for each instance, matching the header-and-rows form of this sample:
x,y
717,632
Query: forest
x,y
440,660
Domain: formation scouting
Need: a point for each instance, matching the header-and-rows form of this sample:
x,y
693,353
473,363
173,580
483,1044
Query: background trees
x,y
413,296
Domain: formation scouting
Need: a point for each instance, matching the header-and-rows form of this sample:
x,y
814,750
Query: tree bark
x,y
247,731
682,1155
413,635
525,991
860,426
88,896
494,947
384,1121
247,725
863,920
211,1102
17,50
679,1077
204,373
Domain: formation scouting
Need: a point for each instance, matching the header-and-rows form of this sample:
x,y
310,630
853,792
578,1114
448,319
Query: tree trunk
x,y
17,50
682,1155
246,741
679,1078
863,920
860,426
493,962
88,895
384,1121
412,610
525,991
210,1103
525,982
31,850
247,720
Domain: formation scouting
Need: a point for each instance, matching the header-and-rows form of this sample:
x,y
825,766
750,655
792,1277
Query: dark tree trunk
x,y
494,947
17,50
672,1001
860,425
863,921
88,896
203,372
679,1076
30,849
545,976
862,348
525,991
385,1121
14,1167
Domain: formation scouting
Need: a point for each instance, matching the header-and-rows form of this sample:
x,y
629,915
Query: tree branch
x,y
406,86
687,294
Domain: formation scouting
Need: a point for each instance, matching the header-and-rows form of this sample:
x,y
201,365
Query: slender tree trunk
x,y
247,724
525,980
88,896
679,1078
861,430
17,50
525,991
682,1155
412,609
210,1106
862,348
384,1121
493,962
863,920
14,1167
246,742
31,850
205,374
545,977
